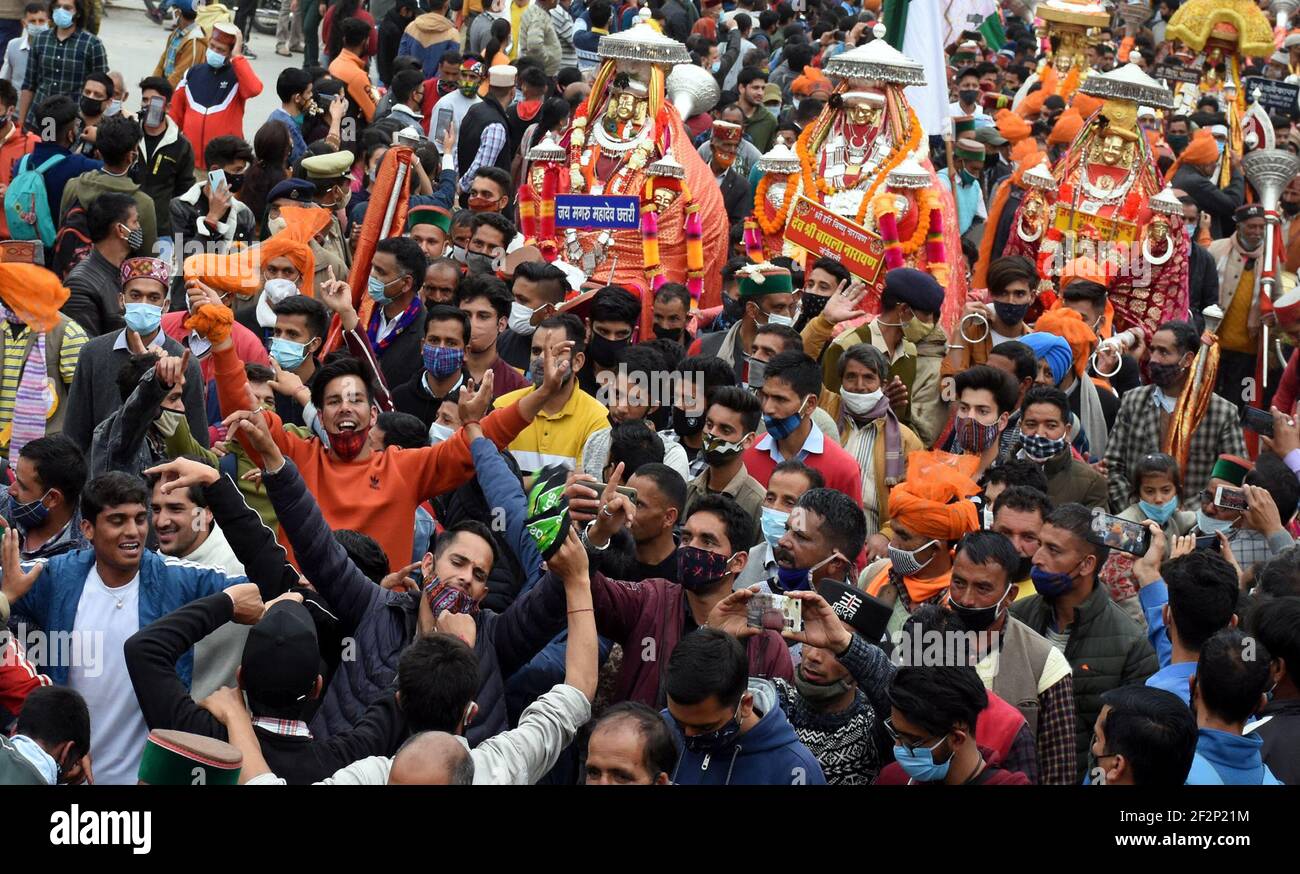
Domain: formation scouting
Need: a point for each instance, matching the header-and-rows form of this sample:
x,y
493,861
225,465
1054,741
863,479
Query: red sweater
x,y
210,103
840,469
377,495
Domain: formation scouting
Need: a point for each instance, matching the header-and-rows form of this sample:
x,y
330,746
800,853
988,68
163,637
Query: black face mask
x,y
976,618
810,307
968,95
234,181
1010,313
605,351
1178,142
90,107
685,425
733,310
677,335
1289,208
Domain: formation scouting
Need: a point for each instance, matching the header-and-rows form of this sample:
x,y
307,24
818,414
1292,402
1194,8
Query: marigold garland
x,y
925,203
776,224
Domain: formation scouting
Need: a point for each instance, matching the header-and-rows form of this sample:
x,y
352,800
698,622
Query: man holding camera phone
x,y
1257,532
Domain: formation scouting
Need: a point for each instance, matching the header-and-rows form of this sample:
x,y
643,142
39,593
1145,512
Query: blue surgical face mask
x,y
773,522
1212,526
143,318
1048,584
216,60
34,30
919,764
376,289
288,354
1159,513
62,18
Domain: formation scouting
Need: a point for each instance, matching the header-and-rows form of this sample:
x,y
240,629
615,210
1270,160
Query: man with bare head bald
x,y
432,758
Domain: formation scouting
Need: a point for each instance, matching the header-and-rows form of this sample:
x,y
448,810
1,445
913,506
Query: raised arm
x,y
505,494
320,557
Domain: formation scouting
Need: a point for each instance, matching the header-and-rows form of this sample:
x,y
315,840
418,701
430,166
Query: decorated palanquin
x,y
1069,26
627,138
1215,36
1103,205
864,159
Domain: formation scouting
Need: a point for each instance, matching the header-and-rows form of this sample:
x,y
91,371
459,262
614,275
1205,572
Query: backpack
x,y
72,243
27,205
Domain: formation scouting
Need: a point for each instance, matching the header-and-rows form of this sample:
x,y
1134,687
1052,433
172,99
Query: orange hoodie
x,y
378,495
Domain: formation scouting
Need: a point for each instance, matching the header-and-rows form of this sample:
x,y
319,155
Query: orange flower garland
x,y
926,201
776,224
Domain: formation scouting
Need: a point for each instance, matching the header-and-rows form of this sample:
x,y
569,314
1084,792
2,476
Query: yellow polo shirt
x,y
556,438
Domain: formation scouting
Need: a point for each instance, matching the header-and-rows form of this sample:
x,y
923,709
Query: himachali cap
x,y
502,76
963,126
429,215
1248,211
147,268
224,34
727,132
864,614
1231,468
758,280
968,149
178,758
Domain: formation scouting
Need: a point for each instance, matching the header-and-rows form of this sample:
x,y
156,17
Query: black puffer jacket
x,y
382,622
1106,649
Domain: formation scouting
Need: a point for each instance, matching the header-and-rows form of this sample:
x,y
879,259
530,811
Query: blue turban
x,y
1052,349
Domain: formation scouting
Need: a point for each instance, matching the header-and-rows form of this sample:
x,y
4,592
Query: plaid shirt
x,y
1137,434
286,727
55,67
489,147
1057,765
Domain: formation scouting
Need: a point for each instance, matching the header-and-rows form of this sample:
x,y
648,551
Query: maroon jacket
x,y
646,619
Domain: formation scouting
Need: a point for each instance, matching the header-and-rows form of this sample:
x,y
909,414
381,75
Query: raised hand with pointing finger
x,y
337,295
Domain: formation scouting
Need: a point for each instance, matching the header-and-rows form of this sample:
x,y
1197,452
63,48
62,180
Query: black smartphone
x,y
154,114
1208,541
1121,534
1257,420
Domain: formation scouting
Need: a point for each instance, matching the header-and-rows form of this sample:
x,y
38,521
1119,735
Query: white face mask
x,y
439,432
859,404
520,320
778,319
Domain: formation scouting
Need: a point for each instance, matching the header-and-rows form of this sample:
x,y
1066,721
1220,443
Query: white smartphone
x,y
216,179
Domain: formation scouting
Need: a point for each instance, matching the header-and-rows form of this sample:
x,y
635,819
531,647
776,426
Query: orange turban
x,y
1012,126
812,80
1067,323
934,499
294,242
32,293
1032,105
1026,153
1086,268
706,27
1067,127
1086,105
231,273
1201,149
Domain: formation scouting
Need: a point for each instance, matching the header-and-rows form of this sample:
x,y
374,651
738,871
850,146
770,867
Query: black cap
x,y
1248,211
281,656
916,288
866,615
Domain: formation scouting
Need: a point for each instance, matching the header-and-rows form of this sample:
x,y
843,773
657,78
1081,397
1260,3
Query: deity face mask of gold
x,y
1158,229
664,198
861,111
1113,150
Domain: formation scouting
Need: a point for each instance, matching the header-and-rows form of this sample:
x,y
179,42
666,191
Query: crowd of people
x,y
297,493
